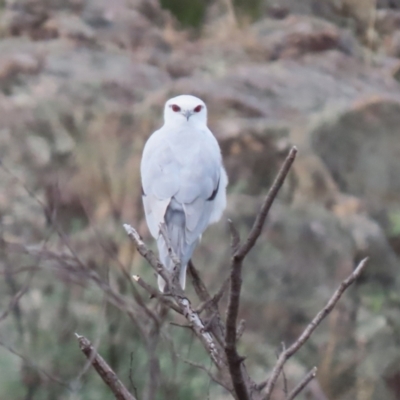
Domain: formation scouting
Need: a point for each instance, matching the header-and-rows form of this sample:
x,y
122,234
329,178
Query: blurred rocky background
x,y
82,85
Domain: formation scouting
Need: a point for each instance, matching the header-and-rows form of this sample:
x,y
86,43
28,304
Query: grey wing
x,y
198,193
160,180
202,212
197,218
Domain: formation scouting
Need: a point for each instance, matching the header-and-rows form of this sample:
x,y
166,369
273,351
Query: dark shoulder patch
x,y
214,193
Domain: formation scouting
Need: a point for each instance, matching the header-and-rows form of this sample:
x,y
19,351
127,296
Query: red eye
x,y
198,108
175,108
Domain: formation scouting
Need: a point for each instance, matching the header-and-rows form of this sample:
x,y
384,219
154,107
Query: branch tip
x,y
267,203
108,376
310,328
302,384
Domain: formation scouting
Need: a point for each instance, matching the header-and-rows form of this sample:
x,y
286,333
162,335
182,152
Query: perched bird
x,y
183,180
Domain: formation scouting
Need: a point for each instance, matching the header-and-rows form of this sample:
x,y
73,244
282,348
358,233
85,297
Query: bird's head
x,y
185,109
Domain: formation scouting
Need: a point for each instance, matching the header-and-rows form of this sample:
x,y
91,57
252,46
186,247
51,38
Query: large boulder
x,y
360,146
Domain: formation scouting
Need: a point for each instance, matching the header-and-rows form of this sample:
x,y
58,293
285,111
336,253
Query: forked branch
x,y
239,252
302,384
286,354
179,297
104,370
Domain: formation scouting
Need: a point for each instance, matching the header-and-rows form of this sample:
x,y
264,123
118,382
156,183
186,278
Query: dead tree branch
x,y
302,384
218,338
206,370
262,215
285,355
217,327
213,301
198,284
238,254
146,253
156,293
103,369
234,360
34,365
179,297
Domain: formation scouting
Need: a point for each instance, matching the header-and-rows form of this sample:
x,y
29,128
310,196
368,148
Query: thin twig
x,y
209,322
35,366
302,384
235,237
198,284
138,298
217,328
156,293
213,301
104,370
132,384
15,299
262,215
285,355
146,253
203,368
285,384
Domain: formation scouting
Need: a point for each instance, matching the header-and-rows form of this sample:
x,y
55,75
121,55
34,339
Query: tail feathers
x,y
161,283
175,221
182,276
182,279
169,265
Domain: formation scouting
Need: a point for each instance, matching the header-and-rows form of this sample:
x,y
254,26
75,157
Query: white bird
x,y
183,180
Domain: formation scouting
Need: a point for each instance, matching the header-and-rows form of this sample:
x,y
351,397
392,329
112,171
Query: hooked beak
x,y
187,114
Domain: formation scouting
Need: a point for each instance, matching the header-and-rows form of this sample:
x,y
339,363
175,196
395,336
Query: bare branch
x,y
132,384
180,298
35,366
213,301
239,252
201,332
203,368
285,355
103,369
198,284
156,293
234,360
217,327
303,383
136,295
285,384
14,301
262,215
146,253
235,237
